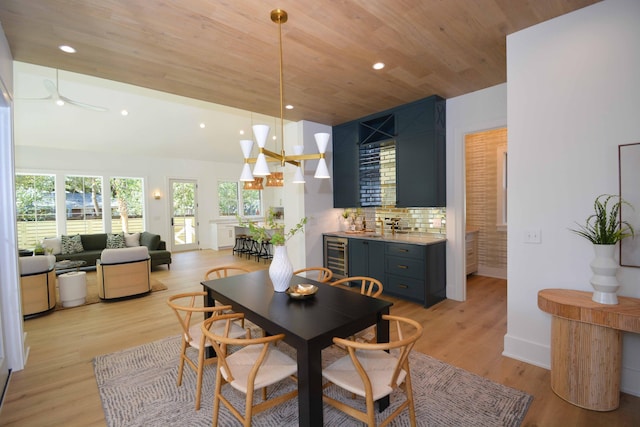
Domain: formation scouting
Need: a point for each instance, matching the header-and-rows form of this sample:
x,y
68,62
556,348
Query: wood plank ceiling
x,y
226,52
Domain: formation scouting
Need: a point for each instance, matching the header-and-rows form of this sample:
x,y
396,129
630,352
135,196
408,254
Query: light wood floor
x,y
58,386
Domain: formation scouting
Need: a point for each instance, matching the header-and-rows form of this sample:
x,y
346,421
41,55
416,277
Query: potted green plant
x,y
272,230
604,228
280,270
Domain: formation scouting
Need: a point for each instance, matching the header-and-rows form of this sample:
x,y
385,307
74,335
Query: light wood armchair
x,y
372,373
370,287
124,273
256,365
37,285
185,305
324,274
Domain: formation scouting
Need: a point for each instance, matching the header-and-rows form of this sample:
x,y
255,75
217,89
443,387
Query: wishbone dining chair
x,y
370,372
324,274
370,287
184,305
255,365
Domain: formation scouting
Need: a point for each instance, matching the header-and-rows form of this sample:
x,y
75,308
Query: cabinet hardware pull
x,y
402,266
403,286
403,250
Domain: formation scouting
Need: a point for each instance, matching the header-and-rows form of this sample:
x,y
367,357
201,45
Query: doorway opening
x,y
184,215
486,202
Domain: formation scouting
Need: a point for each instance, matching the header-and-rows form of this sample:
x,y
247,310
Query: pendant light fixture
x,y
261,132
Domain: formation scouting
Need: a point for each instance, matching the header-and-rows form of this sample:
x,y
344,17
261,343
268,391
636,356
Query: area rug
x,y
92,290
138,388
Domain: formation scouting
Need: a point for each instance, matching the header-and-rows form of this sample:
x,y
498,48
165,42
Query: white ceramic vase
x,y
280,270
604,281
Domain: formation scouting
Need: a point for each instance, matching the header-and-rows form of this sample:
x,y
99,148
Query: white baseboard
x,y
527,351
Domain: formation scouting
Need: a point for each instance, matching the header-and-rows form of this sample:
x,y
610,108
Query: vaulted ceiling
x,y
226,52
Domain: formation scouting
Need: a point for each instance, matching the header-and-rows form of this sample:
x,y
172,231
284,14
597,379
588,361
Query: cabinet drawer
x,y
405,250
406,267
405,287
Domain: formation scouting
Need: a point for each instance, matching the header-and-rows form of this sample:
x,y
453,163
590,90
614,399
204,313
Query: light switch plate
x,y
533,235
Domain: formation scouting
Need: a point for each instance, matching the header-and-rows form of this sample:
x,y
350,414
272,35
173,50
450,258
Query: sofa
x,y
92,246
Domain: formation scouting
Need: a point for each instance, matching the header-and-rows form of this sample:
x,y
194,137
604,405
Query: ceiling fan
x,y
54,94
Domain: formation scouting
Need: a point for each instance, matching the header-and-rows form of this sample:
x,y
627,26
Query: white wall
x,y
473,112
14,354
573,97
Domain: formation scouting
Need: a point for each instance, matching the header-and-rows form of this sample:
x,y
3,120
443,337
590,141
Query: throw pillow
x,y
53,245
115,241
132,239
71,244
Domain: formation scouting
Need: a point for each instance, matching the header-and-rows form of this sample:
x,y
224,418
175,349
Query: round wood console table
x,y
586,345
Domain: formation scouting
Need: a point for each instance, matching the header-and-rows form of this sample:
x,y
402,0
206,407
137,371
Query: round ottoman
x,y
73,288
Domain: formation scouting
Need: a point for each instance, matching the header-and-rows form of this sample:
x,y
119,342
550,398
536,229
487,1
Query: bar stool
x,y
253,248
265,251
239,247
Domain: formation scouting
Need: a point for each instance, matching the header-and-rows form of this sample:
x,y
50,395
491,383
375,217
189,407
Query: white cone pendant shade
x,y
246,145
246,173
298,149
321,170
322,139
298,178
261,168
261,132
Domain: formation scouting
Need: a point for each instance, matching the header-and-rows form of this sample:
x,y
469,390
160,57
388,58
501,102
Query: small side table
x,y
586,346
73,288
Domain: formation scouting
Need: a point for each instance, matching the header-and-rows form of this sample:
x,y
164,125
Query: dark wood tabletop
x,y
309,325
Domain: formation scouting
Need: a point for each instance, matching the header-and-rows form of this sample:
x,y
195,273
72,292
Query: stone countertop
x,y
412,238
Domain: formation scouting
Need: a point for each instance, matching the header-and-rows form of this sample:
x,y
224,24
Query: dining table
x,y
309,325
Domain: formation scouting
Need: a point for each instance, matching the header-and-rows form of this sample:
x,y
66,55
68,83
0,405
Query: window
x,y
232,201
126,205
35,209
83,202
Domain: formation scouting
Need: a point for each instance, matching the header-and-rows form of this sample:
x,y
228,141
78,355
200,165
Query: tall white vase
x,y
280,270
604,280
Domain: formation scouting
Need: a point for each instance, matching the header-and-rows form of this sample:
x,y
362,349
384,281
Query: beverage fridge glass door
x,y
336,256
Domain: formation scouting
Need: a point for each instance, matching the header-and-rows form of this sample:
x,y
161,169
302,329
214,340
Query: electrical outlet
x,y
437,222
533,235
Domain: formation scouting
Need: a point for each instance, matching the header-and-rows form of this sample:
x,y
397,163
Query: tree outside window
x,y
127,195
35,208
83,201
232,200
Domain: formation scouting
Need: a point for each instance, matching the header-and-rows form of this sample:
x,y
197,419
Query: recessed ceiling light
x,y
378,66
67,49
60,102
289,107
124,112
202,126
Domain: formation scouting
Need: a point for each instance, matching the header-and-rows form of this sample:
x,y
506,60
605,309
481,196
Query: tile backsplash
x,y
410,220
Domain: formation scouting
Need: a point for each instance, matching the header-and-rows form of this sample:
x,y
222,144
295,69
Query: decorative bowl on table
x,y
302,291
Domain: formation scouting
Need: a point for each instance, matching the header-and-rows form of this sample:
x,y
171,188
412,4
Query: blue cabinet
x,y
366,258
416,272
345,166
421,153
419,132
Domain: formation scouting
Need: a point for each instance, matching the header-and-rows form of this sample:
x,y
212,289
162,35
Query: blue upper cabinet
x,y
421,153
345,165
417,133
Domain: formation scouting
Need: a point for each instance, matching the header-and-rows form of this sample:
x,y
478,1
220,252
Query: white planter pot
x,y
604,281
280,270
